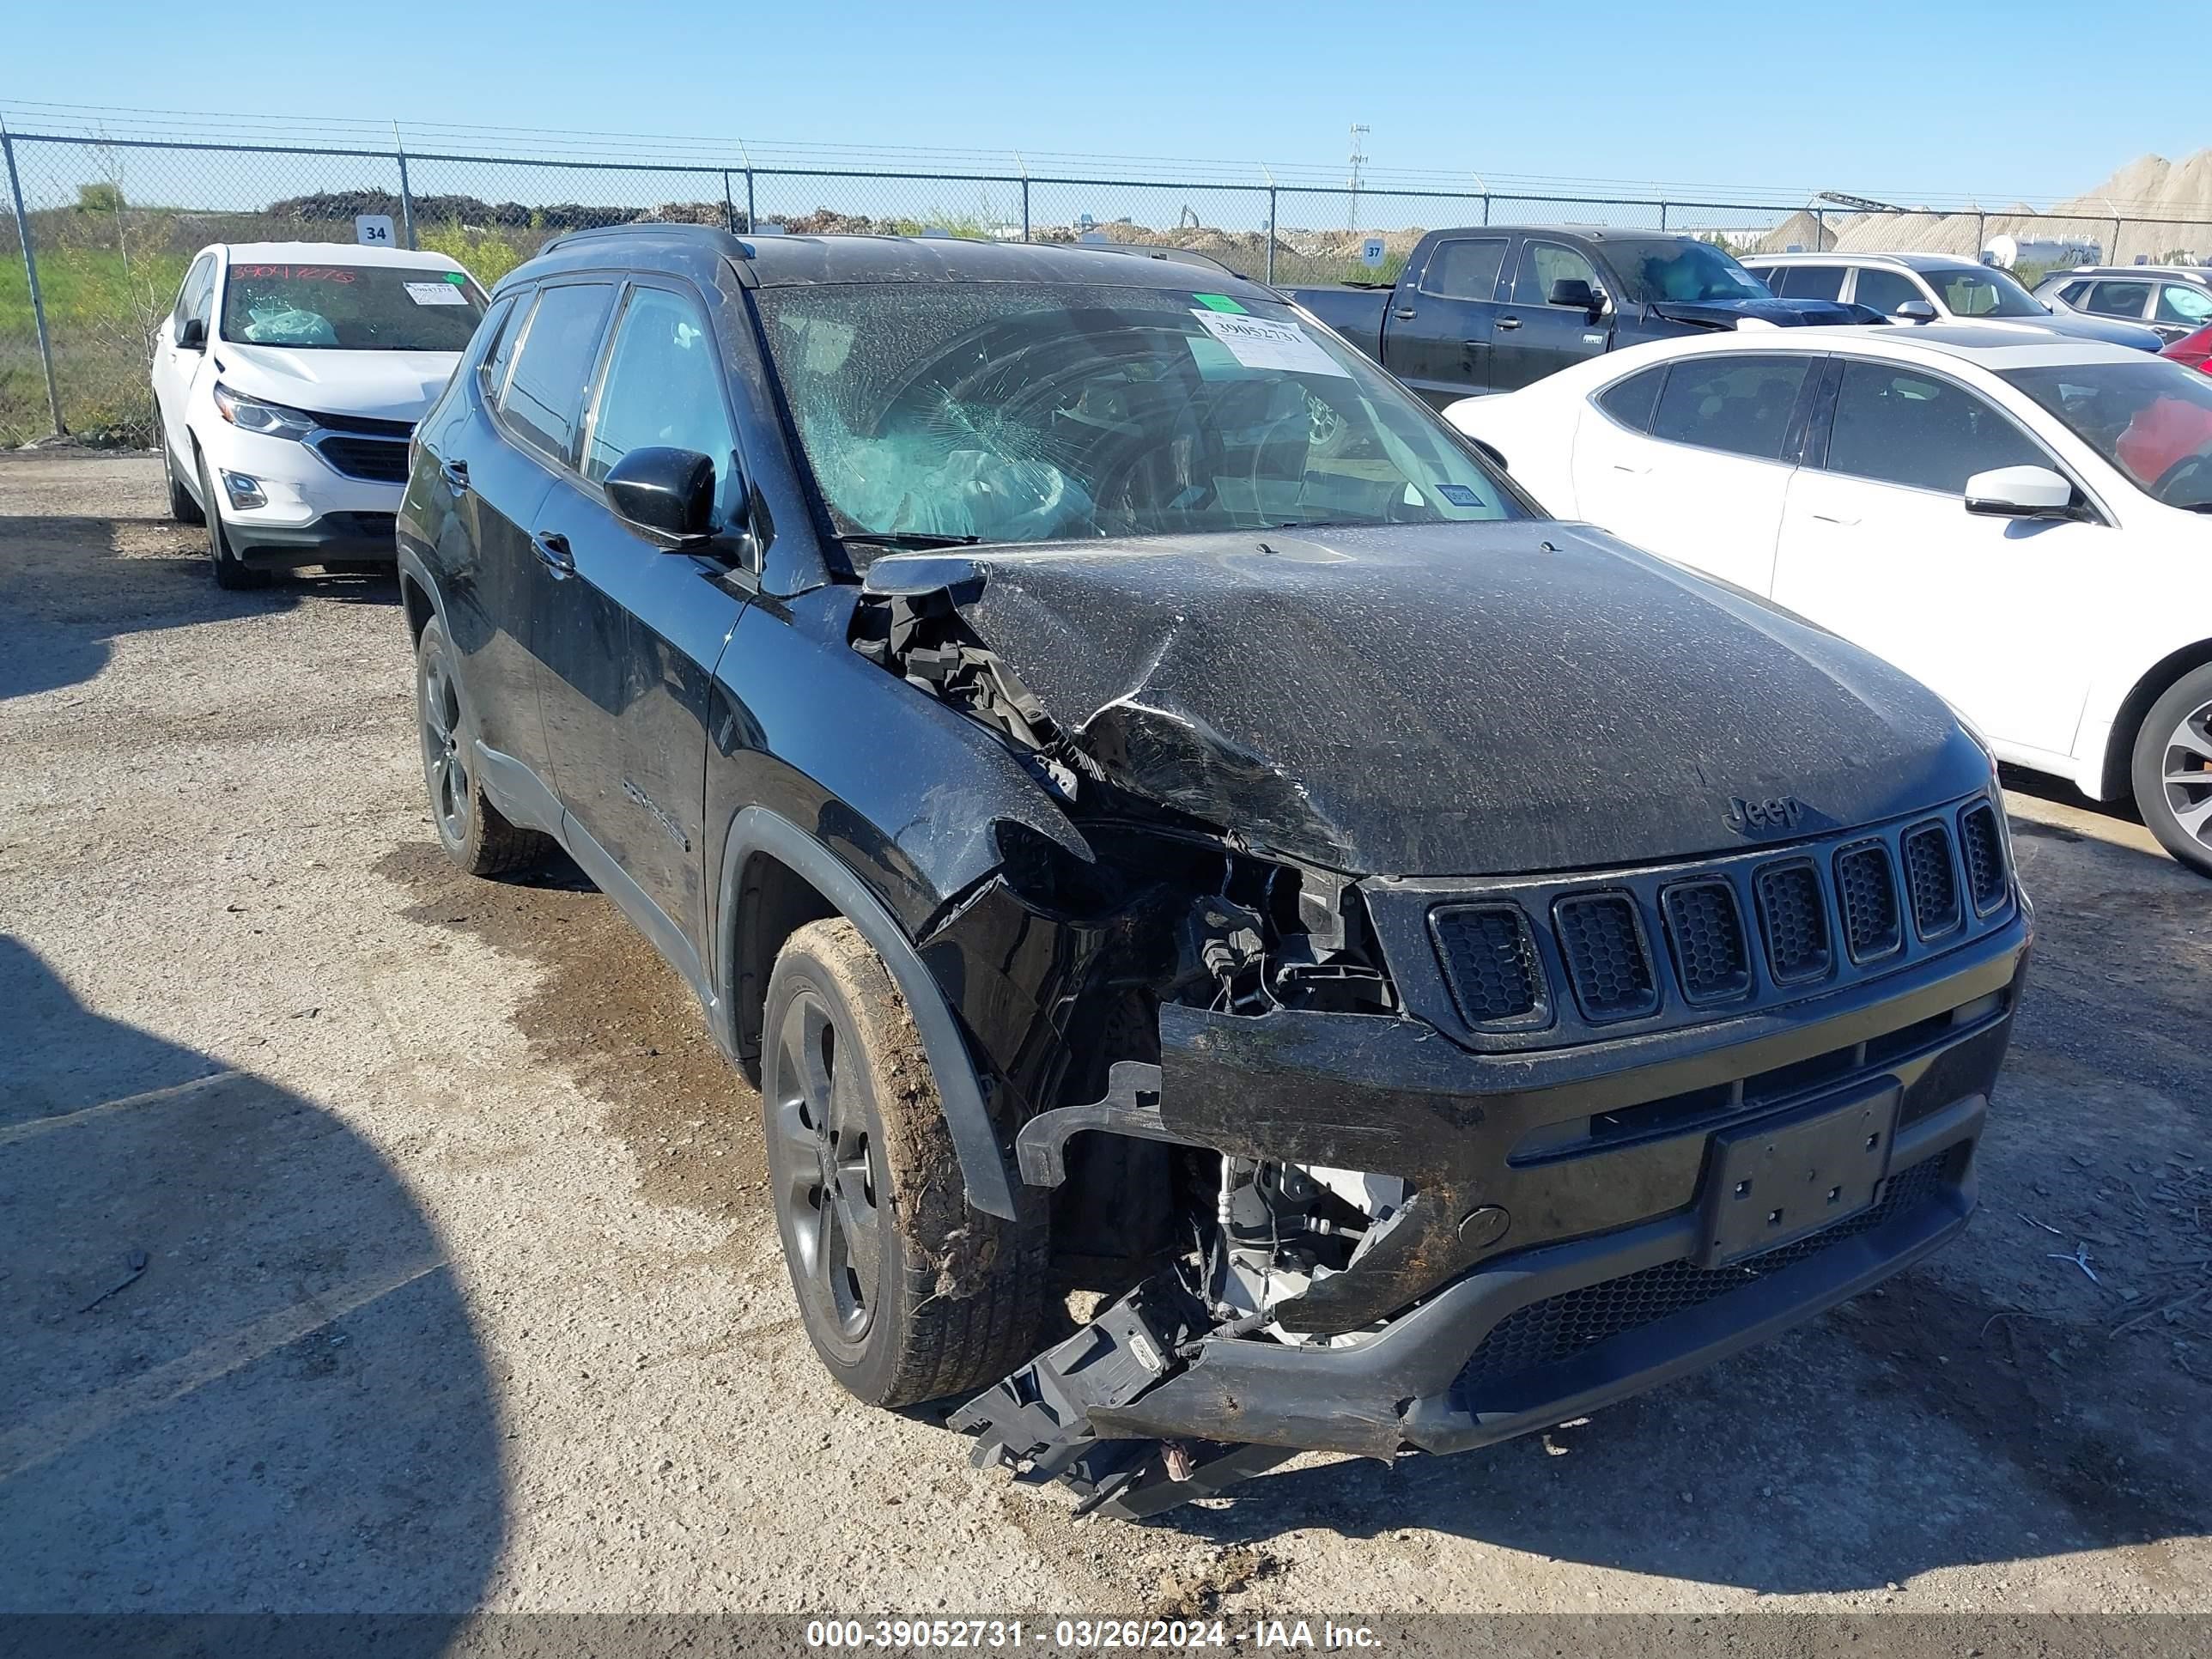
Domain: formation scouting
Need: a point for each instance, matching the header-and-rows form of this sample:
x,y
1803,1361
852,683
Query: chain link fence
x,y
99,230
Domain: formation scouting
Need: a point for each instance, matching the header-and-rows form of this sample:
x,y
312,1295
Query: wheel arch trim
x,y
2128,716
758,829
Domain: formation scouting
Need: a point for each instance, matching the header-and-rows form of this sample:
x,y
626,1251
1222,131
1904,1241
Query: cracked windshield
x,y
1007,411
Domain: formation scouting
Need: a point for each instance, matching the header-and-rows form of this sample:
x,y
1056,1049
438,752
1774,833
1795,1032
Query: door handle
x,y
1404,313
1509,322
552,551
1836,518
456,475
1623,466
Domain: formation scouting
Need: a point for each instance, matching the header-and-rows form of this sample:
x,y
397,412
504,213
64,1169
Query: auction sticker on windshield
x,y
1260,343
436,293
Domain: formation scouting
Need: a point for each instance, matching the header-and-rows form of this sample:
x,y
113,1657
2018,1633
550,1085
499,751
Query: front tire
x,y
2171,769
470,827
907,1293
232,574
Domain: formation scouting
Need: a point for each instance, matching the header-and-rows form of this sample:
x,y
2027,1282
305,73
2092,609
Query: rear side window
x,y
546,387
1807,282
1630,401
1741,405
663,388
1885,290
1905,428
2117,298
1466,269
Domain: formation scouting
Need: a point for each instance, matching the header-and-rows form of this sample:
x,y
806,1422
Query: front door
x,y
1439,328
631,635
1877,544
1534,337
175,368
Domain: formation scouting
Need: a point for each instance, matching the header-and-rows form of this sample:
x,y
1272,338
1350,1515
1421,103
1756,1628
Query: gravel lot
x,y
459,1288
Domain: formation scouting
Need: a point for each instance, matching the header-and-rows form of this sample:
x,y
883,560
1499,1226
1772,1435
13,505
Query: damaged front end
x,y
1389,1158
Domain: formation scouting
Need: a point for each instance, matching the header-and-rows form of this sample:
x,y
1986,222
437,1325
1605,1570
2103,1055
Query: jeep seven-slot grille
x,y
1561,1327
1929,877
1980,841
1707,938
1526,965
1794,920
1868,893
1604,951
1490,960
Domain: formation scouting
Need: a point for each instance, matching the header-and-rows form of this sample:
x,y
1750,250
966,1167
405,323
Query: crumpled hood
x,y
1782,314
1470,699
386,385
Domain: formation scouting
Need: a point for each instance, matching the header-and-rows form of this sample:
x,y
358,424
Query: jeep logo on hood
x,y
1770,816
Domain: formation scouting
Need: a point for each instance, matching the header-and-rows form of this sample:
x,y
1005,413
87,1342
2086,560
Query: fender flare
x,y
758,829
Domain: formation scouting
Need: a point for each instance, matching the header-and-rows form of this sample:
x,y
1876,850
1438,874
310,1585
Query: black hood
x,y
1782,314
1472,698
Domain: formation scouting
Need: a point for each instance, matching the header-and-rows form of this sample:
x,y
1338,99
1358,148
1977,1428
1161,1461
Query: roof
x,y
1994,348
1904,261
2186,273
337,253
791,261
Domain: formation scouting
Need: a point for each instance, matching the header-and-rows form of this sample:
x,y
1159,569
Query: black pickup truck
x,y
1492,308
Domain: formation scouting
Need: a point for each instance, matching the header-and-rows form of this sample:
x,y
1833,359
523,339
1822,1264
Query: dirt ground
x,y
372,1238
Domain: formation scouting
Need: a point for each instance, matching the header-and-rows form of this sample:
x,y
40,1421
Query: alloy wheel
x,y
444,756
827,1169
2185,774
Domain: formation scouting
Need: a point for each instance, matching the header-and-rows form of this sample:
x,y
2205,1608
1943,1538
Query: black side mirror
x,y
1577,293
668,492
191,334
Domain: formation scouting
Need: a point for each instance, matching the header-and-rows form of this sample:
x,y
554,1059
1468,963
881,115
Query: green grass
x,y
96,307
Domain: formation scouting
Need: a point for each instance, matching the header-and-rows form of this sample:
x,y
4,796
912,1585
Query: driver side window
x,y
1543,264
663,388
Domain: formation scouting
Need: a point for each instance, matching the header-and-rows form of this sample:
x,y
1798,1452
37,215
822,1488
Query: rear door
x,y
1440,326
1534,337
535,391
631,635
1691,460
1876,543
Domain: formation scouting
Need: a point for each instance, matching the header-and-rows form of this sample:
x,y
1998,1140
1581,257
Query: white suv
x,y
288,381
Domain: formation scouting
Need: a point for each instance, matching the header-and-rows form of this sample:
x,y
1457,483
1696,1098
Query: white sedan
x,y
2020,525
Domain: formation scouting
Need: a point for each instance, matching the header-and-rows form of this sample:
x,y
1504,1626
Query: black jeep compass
x,y
1134,787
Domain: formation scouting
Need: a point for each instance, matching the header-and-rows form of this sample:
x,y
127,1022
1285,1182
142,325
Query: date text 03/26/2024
x,y
1084,1634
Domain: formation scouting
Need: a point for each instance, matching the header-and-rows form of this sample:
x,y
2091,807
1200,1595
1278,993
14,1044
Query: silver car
x,y
2172,299
1934,288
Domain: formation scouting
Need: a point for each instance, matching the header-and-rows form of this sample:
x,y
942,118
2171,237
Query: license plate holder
x,y
1770,1183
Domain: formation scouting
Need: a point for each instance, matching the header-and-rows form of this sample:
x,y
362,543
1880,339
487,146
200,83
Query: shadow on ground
x,y
71,586
235,1373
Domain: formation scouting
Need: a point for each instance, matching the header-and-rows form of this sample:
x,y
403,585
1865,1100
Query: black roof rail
x,y
728,241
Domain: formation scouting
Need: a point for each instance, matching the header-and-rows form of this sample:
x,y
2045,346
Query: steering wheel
x,y
2196,466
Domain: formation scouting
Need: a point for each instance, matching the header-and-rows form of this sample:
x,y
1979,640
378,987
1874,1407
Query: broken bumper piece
x,y
1137,1416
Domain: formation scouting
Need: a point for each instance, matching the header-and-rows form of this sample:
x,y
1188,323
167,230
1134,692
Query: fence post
x,y
729,208
406,203
1270,233
1485,207
31,274
2113,258
1025,207
1981,231
1819,230
1663,216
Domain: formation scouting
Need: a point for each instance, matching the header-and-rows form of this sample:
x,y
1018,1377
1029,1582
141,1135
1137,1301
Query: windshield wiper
x,y
916,540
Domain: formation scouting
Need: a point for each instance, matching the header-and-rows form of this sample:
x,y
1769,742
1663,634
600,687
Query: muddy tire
x,y
182,507
2171,769
906,1292
470,827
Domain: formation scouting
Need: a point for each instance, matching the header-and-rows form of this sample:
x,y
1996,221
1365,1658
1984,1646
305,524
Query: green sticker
x,y
1216,302
456,276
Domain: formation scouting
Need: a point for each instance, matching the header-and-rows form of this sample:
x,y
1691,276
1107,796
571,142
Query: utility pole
x,y
1359,131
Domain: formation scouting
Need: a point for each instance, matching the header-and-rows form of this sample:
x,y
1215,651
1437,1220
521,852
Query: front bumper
x,y
348,535
1588,1288
311,511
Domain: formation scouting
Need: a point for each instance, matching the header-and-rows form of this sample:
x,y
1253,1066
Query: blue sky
x,y
2022,99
